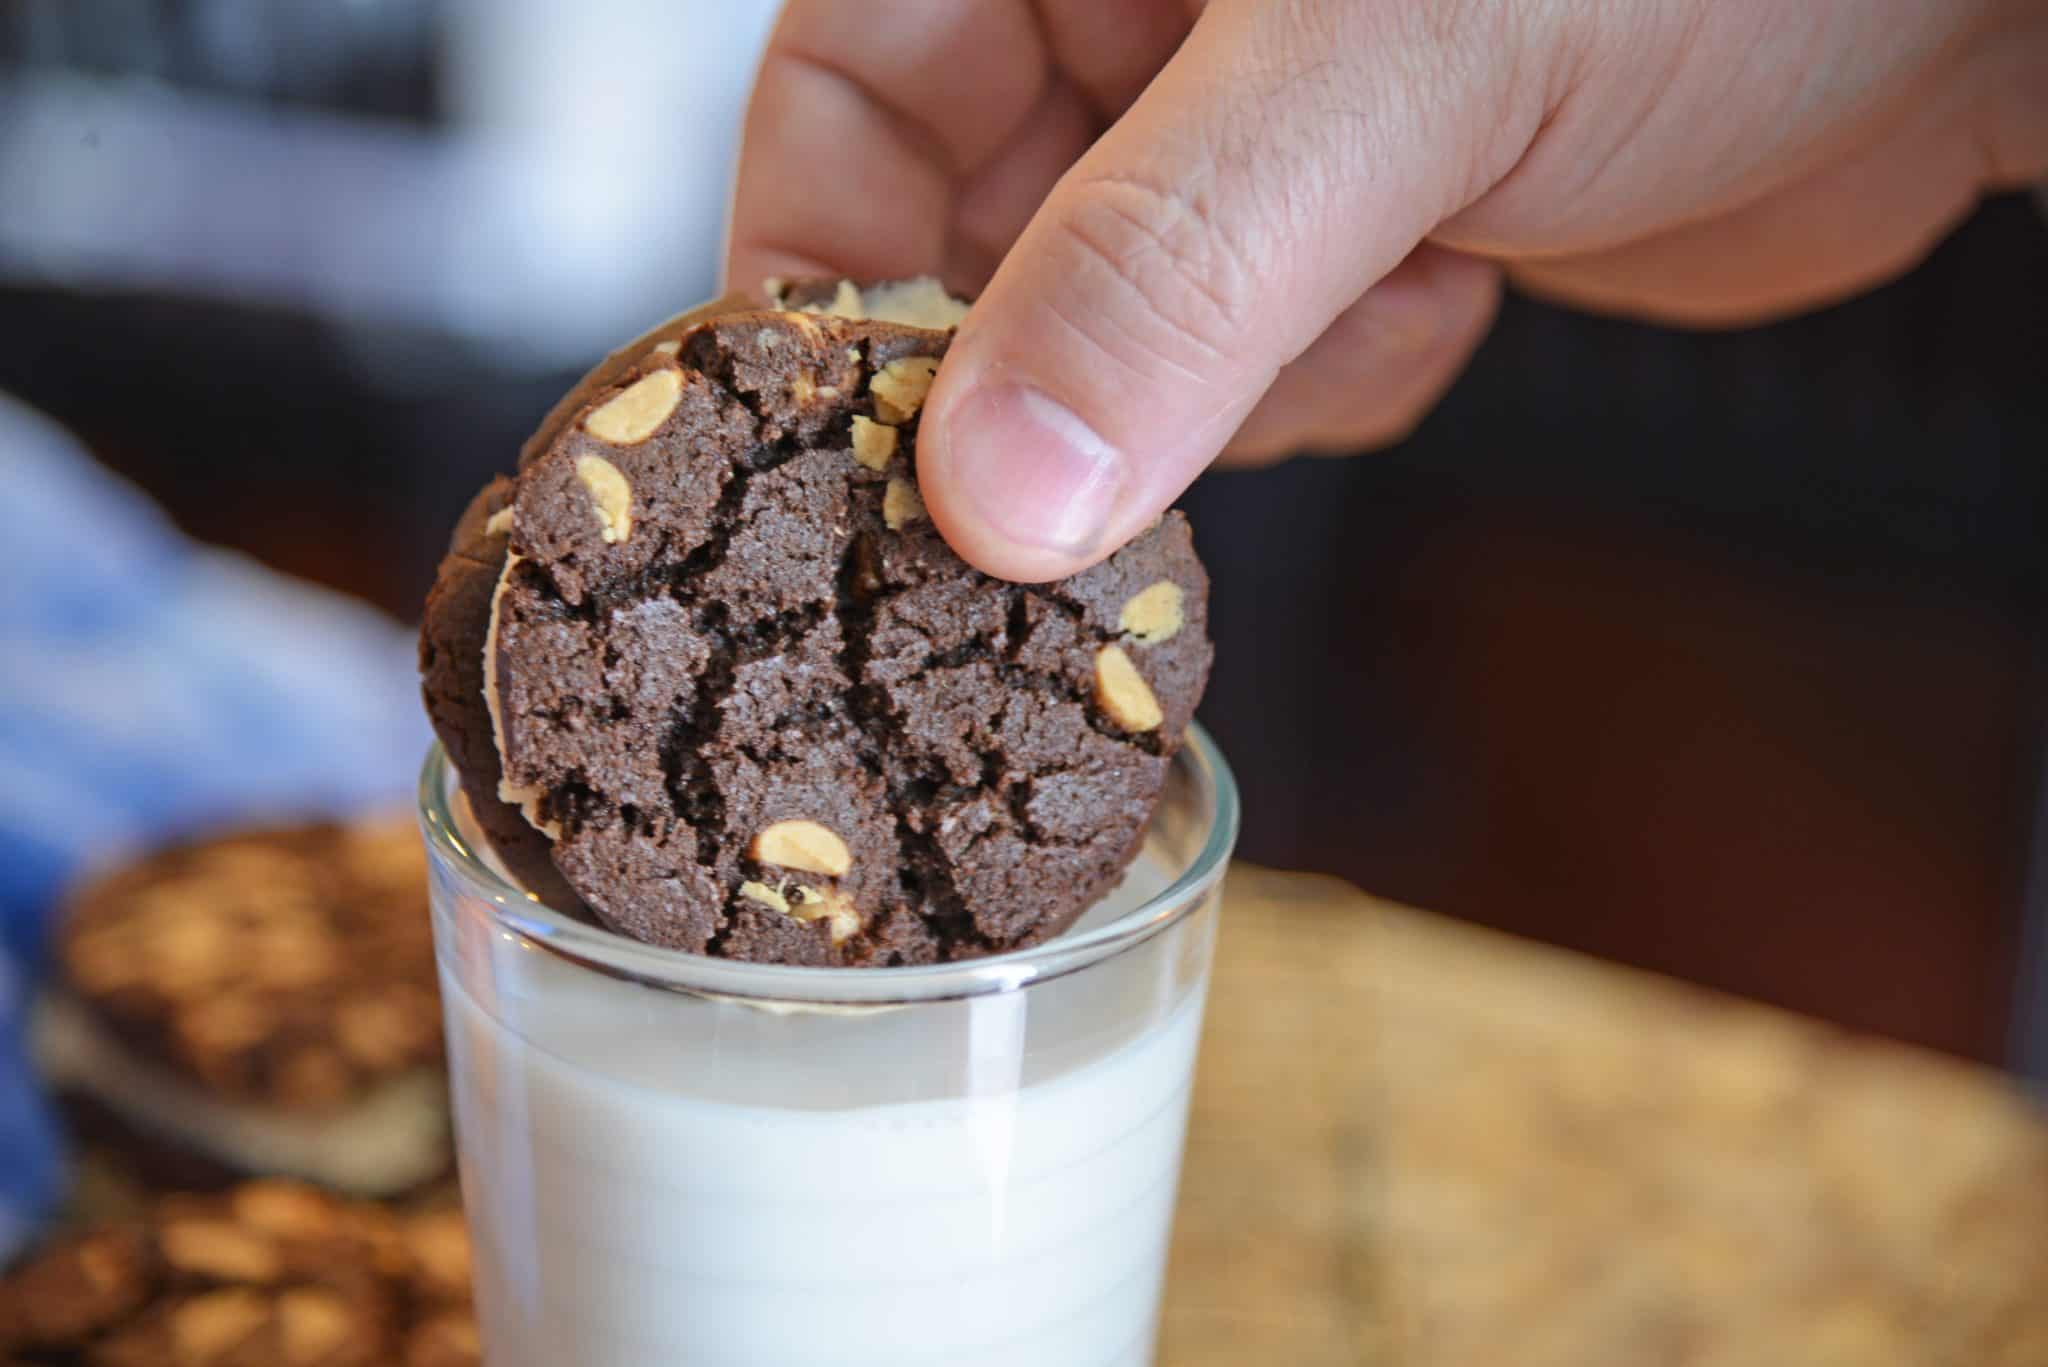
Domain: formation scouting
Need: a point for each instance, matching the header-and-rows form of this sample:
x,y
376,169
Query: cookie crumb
x,y
902,505
874,443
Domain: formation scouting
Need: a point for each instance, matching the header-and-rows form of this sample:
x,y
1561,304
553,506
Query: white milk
x,y
984,1182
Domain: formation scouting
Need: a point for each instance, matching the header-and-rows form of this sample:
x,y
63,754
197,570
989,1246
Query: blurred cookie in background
x,y
267,1274
441,1318
260,1002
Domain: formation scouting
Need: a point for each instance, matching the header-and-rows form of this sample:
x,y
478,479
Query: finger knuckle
x,y
1391,426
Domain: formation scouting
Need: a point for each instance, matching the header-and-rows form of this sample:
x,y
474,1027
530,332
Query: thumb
x,y
1287,158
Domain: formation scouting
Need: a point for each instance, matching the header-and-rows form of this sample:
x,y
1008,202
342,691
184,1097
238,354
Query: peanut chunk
x,y
901,504
439,1243
919,303
833,907
1153,614
207,1328
1122,693
281,1207
633,414
312,1324
611,498
802,845
873,443
900,386
765,895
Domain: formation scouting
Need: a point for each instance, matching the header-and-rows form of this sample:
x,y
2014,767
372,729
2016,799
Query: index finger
x,y
864,123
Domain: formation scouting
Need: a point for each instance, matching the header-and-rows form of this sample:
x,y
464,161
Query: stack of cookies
x,y
261,1002
267,1274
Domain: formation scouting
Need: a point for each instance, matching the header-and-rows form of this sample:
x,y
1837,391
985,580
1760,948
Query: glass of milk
x,y
669,1158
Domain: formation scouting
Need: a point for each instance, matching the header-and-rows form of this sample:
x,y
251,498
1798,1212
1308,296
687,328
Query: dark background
x,y
1719,654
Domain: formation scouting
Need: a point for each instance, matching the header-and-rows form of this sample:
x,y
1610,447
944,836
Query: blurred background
x,y
1715,654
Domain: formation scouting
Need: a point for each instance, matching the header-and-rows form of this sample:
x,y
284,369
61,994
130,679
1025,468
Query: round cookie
x,y
762,710
290,966
271,1274
259,1001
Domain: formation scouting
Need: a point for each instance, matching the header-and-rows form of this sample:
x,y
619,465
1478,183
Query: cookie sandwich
x,y
256,1002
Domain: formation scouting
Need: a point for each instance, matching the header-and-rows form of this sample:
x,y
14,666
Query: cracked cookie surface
x,y
757,705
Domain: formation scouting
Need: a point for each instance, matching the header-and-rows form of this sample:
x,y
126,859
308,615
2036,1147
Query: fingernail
x,y
1031,470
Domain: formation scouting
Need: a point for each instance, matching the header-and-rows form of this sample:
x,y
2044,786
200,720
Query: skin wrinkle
x,y
1146,240
1459,233
1479,48
1320,218
1581,219
1199,429
1573,71
1296,164
1319,393
1631,277
1668,277
1298,194
1058,311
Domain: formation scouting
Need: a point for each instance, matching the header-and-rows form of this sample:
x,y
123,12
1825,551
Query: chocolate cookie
x,y
757,705
269,1275
265,998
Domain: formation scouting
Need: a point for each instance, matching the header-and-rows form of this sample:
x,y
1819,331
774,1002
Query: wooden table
x,y
1416,1142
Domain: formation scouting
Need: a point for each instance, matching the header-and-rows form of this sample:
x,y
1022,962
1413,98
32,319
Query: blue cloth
x,y
149,687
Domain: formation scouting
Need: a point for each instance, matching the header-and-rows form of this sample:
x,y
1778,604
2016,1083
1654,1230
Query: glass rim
x,y
604,951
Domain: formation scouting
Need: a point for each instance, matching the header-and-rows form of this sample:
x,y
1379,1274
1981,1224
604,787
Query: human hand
x,y
1282,225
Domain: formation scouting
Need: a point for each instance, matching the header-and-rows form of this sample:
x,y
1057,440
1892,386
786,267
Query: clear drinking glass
x,y
669,1158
